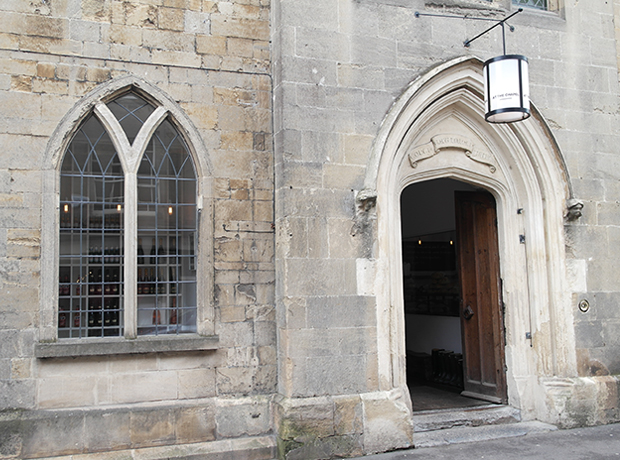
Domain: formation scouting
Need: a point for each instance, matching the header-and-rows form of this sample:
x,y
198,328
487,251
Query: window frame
x,y
130,156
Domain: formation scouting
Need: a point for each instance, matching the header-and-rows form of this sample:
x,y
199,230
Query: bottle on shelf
x,y
173,311
140,288
153,252
172,278
173,249
140,252
62,319
161,251
156,316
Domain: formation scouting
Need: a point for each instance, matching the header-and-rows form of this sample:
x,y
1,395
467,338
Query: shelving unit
x,y
160,296
90,289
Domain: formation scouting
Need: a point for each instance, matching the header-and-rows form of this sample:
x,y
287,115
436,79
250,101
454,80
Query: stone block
x,y
94,10
232,314
335,375
71,391
357,76
258,250
20,83
195,424
171,19
589,334
142,387
60,434
233,210
224,26
267,355
316,277
203,116
17,394
348,415
85,31
231,118
228,250
312,71
196,383
23,242
264,333
245,294
387,421
313,343
242,417
235,381
302,419
166,40
43,26
197,22
173,58
152,427
340,312
263,210
107,430
236,334
236,140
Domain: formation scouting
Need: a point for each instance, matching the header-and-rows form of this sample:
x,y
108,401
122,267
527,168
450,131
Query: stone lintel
x,y
122,346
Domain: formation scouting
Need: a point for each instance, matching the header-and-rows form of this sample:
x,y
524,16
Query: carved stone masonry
x,y
451,141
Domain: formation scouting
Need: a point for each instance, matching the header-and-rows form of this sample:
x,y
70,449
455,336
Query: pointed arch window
x,y
128,225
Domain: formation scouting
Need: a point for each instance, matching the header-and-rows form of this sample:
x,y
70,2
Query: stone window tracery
x,y
128,225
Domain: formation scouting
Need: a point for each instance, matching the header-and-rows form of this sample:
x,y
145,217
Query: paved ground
x,y
596,443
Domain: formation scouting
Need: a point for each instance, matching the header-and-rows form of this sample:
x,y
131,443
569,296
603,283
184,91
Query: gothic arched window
x,y
128,224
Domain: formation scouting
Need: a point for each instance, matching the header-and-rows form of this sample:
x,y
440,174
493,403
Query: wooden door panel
x,y
482,333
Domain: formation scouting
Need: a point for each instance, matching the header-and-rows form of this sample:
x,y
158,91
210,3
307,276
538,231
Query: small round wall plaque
x,y
584,305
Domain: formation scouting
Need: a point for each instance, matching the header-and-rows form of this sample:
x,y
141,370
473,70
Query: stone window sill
x,y
120,346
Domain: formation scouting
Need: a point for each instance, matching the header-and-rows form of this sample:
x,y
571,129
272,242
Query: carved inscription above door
x,y
452,141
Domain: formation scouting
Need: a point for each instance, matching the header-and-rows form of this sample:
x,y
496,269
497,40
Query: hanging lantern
x,y
506,89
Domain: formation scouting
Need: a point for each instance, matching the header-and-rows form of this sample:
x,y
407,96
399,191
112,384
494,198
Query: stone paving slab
x,y
592,443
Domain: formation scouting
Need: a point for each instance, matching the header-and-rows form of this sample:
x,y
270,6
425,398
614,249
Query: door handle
x,y
468,313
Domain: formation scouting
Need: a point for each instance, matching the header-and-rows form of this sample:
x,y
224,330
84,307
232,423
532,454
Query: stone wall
x,y
339,66
213,59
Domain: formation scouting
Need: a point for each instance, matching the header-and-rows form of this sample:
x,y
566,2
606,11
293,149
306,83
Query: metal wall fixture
x,y
506,77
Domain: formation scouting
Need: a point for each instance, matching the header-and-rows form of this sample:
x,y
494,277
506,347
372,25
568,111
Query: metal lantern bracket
x,y
501,23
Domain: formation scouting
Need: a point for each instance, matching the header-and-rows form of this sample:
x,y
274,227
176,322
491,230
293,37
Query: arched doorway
x,y
454,323
436,130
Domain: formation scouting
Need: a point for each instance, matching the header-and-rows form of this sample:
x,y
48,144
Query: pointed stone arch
x,y
436,129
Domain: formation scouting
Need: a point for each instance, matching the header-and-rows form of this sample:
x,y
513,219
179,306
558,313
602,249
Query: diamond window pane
x,y
167,227
131,111
90,284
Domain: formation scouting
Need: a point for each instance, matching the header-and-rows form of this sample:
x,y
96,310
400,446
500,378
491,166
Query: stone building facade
x,y
313,132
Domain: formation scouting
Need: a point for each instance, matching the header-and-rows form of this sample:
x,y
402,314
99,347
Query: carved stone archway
x,y
436,129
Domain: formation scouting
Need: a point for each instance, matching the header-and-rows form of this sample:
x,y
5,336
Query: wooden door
x,y
482,322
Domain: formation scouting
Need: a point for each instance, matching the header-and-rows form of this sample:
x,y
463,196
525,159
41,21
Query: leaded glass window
x,y
539,4
166,229
98,221
90,287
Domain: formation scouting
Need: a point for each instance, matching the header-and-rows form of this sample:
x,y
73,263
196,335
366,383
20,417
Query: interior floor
x,y
424,397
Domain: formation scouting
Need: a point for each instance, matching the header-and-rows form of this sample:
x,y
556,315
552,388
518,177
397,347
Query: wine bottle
x,y
172,278
160,251
140,281
153,252
173,311
140,252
